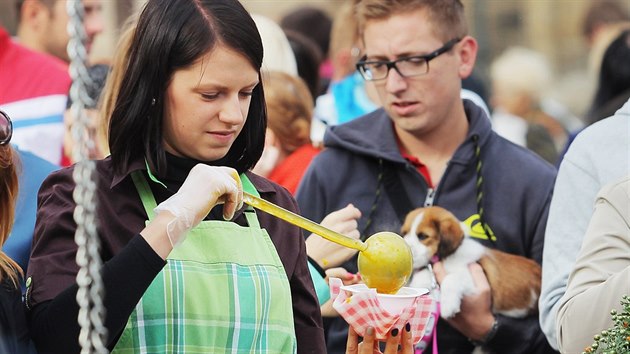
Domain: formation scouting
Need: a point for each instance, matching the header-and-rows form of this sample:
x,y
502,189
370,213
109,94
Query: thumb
x,y
479,277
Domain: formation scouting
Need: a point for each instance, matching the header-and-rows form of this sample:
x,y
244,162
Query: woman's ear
x,y
467,52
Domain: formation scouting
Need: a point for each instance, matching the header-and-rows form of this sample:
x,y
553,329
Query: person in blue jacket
x,y
14,334
32,171
427,146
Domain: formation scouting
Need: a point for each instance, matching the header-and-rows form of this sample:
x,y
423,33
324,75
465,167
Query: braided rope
x,y
90,292
479,187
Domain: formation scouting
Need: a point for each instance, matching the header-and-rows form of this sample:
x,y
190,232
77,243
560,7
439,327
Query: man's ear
x,y
467,52
33,13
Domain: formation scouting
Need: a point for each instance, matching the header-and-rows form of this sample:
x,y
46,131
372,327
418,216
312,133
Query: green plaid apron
x,y
223,290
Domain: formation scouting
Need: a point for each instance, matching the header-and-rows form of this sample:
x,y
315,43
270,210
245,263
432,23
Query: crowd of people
x,y
350,120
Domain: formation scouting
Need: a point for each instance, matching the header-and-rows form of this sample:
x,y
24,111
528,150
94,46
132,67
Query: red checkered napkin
x,y
362,310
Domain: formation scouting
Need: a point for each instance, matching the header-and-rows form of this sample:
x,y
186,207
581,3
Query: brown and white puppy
x,y
514,280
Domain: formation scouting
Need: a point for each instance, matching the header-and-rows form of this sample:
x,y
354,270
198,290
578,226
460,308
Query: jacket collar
x,y
373,135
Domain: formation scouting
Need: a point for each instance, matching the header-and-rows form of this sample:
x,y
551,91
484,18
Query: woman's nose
x,y
232,111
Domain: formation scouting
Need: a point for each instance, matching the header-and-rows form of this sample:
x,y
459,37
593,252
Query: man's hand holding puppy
x,y
475,319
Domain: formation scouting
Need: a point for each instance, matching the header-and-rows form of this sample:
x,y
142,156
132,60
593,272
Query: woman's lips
x,y
223,136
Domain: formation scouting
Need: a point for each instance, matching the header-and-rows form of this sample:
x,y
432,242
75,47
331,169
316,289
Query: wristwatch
x,y
488,337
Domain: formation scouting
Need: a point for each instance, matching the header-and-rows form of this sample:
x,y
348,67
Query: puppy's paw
x,y
449,306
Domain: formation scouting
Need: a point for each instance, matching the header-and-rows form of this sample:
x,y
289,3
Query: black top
x,y
14,336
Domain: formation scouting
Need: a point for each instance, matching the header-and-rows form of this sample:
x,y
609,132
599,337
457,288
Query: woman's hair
x,y
172,35
446,16
8,194
614,79
114,81
289,109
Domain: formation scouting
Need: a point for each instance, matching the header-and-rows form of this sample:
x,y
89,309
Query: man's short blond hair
x,y
446,16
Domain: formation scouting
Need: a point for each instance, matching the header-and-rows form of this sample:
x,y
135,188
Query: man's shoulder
x,y
32,74
512,157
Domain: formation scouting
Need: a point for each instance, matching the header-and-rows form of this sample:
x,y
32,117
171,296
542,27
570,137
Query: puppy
x,y
514,280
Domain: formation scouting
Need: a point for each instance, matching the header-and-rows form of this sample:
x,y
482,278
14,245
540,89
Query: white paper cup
x,y
392,303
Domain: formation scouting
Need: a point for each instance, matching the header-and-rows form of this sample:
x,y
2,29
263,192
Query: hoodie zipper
x,y
428,201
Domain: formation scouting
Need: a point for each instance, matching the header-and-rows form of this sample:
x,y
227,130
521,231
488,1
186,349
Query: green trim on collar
x,y
248,186
152,177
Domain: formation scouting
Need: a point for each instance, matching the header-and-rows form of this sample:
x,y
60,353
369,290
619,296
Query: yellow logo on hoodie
x,y
476,229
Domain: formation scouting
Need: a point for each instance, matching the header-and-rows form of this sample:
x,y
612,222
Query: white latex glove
x,y
329,254
204,188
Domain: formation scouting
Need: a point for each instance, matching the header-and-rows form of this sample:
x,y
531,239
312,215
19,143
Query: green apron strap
x,y
250,213
148,200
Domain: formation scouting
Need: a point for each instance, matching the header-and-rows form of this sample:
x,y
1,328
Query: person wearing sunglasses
x,y
14,336
428,146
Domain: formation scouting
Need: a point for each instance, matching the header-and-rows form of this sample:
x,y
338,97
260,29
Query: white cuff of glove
x,y
183,222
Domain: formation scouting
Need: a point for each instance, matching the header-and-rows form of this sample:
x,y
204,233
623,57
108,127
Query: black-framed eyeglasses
x,y
416,65
6,128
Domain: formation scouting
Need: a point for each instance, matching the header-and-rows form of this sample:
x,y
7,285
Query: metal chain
x,y
90,293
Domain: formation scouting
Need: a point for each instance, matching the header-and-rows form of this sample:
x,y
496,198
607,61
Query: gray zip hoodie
x,y
357,164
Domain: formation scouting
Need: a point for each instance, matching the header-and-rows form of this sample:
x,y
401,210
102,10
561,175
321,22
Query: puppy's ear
x,y
451,236
409,221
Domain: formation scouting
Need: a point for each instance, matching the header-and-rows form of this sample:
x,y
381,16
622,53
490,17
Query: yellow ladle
x,y
385,261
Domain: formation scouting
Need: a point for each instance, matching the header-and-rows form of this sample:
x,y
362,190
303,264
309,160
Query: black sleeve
x,y
54,325
519,336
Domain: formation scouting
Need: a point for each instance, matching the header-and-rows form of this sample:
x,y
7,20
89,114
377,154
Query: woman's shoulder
x,y
62,182
617,192
272,191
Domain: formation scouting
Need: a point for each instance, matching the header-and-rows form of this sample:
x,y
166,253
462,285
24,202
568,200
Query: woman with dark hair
x,y
613,88
614,79
186,268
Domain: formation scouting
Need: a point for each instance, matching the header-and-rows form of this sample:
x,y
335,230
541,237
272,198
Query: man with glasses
x,y
427,146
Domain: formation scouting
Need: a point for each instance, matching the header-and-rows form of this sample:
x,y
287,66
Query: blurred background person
x,y
288,149
33,91
43,25
14,337
315,24
600,16
598,156
613,87
98,75
601,274
109,95
519,78
308,57
288,152
278,53
598,26
348,95
33,88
